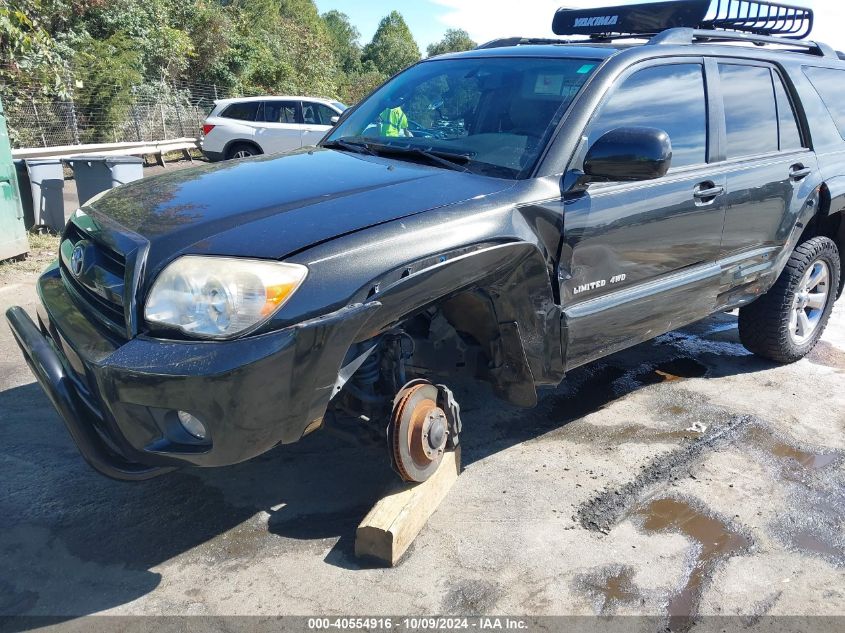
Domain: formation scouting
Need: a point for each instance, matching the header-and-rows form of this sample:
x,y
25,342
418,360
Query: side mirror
x,y
334,120
628,154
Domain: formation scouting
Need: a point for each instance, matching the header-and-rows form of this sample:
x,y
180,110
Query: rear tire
x,y
784,324
242,150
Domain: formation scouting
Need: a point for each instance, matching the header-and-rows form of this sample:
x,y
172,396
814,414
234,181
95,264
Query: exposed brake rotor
x,y
418,431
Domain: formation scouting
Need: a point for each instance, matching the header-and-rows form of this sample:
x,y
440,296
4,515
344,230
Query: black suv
x,y
510,213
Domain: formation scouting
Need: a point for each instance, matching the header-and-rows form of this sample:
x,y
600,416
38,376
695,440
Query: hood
x,y
273,206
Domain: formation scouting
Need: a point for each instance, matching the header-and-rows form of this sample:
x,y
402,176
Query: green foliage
x,y
106,53
213,30
156,28
107,71
356,77
29,48
454,41
353,88
393,47
344,39
304,11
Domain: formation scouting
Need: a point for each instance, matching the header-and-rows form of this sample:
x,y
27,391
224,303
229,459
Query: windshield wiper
x,y
449,160
352,146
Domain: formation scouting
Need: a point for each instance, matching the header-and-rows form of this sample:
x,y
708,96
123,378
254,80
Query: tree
x,y
344,36
393,47
454,41
302,11
153,26
107,72
27,47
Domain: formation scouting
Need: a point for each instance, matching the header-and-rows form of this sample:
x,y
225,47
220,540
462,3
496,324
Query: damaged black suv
x,y
510,212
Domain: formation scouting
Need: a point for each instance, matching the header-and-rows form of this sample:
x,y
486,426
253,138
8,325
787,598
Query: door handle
x,y
799,172
706,192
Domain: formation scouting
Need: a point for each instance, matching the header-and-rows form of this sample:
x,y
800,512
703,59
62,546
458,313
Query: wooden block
x,y
395,520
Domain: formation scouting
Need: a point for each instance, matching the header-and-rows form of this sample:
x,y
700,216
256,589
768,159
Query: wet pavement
x,y
681,478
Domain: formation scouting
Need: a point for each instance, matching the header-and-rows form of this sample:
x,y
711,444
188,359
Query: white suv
x,y
246,126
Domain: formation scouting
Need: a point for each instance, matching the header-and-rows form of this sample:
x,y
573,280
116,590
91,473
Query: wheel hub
x,y
810,301
418,431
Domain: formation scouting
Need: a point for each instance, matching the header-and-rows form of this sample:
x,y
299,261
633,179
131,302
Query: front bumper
x,y
119,399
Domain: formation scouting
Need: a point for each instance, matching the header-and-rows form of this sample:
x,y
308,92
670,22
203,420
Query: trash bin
x,y
25,193
46,179
95,174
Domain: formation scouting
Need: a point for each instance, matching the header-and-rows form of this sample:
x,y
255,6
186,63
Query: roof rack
x,y
678,36
758,17
682,35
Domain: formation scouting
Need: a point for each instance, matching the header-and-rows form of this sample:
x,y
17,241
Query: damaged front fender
x,y
502,297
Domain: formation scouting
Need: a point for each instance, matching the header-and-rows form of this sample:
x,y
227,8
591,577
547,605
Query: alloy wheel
x,y
809,302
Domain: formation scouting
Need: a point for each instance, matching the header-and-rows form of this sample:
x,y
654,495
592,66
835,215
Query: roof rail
x,y
523,41
759,17
682,35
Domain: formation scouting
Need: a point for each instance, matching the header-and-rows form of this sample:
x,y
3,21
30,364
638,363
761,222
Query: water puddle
x,y
619,587
599,390
812,526
809,542
610,587
594,394
672,371
767,441
716,541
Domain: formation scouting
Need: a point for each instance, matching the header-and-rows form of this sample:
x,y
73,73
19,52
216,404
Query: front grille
x,y
99,281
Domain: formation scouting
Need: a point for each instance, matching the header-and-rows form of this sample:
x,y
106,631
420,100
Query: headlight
x,y
220,297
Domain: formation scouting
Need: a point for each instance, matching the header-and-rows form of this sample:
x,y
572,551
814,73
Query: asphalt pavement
x,y
681,476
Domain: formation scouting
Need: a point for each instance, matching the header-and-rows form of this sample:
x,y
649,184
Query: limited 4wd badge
x,y
593,285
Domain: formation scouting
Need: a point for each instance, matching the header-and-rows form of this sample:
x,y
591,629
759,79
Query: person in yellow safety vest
x,y
393,121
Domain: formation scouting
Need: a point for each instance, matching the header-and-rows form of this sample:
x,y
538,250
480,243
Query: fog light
x,y
192,425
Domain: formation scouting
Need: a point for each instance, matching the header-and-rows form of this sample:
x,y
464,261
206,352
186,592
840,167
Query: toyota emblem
x,y
77,260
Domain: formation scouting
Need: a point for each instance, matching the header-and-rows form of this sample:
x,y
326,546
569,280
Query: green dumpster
x,y
12,233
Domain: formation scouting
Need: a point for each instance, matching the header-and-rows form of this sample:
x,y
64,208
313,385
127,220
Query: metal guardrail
x,y
143,148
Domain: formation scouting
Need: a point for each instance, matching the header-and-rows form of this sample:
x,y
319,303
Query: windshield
x,y
493,115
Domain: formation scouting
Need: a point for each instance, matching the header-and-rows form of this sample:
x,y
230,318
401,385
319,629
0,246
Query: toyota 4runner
x,y
510,212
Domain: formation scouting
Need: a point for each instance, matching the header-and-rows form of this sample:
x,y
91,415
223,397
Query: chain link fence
x,y
37,117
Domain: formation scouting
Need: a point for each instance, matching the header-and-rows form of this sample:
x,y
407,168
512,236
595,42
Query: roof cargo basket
x,y
757,17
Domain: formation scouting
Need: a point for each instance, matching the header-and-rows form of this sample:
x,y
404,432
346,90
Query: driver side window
x,y
669,97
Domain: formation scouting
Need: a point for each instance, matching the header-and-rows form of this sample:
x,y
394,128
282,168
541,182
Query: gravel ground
x,y
683,476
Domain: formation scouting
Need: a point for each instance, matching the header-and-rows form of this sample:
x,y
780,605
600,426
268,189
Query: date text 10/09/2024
x,y
418,624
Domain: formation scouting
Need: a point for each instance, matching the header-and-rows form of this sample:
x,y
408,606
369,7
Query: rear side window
x,y
279,112
790,137
830,84
681,113
245,111
751,118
